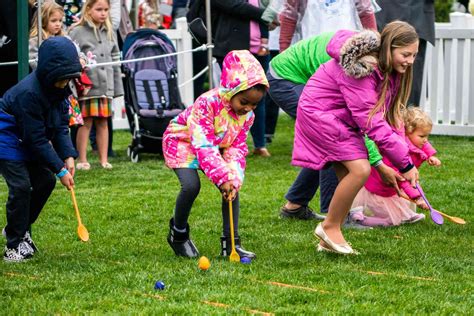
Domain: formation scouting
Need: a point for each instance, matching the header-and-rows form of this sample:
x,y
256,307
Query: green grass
x,y
420,268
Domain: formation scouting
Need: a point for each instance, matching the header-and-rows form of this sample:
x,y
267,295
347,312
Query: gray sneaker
x,y
351,224
27,238
302,212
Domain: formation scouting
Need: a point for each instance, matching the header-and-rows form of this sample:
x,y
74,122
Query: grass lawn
x,y
421,268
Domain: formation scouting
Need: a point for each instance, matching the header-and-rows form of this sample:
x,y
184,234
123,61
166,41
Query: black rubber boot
x,y
180,242
226,248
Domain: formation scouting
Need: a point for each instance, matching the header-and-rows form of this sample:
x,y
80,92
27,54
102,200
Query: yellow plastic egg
x,y
204,263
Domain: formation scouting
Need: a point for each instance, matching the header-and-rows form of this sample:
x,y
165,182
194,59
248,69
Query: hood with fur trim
x,y
350,49
240,71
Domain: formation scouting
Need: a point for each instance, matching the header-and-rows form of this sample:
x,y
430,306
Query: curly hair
x,y
414,117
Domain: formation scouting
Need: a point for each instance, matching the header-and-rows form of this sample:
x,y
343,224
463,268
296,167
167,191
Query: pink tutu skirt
x,y
386,211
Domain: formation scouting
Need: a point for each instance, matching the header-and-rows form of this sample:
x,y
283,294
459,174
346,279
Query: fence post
x,y
185,61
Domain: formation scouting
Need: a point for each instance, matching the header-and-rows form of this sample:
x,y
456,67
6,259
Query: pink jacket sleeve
x,y
205,144
429,149
409,190
236,153
361,96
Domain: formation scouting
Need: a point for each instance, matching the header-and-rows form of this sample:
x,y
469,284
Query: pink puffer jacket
x,y
197,137
333,110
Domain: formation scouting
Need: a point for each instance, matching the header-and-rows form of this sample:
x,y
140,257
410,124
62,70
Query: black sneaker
x,y
30,242
19,254
302,212
226,248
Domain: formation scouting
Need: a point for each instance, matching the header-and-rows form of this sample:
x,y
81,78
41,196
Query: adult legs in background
x,y
415,95
271,111
199,63
258,128
271,119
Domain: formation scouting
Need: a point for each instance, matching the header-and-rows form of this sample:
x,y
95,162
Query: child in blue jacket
x,y
35,143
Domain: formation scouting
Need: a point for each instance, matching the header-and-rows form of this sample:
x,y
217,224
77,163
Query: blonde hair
x,y
47,10
86,18
414,118
394,35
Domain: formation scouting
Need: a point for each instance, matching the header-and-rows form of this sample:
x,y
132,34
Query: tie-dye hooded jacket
x,y
209,135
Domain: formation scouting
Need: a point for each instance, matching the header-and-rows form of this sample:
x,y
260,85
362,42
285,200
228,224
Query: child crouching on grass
x,y
211,136
377,204
35,143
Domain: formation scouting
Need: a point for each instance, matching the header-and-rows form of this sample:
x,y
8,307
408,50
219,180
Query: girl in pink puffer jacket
x,y
360,91
211,136
378,204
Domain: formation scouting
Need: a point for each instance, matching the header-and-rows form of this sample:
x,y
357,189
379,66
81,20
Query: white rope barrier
x,y
200,48
199,74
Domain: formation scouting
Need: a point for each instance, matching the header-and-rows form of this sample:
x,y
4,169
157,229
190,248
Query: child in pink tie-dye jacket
x,y
211,136
377,203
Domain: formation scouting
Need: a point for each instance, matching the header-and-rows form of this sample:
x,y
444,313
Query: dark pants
x,y
190,187
271,110
415,95
306,184
258,128
29,187
286,95
199,63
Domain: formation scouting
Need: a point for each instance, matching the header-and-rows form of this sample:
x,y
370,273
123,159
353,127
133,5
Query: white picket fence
x,y
448,81
183,42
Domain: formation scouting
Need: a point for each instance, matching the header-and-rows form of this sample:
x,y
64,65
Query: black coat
x,y
419,13
232,25
40,110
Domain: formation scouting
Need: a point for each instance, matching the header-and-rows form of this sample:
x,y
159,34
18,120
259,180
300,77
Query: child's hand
x,y
412,176
70,165
67,180
421,203
228,191
433,161
389,176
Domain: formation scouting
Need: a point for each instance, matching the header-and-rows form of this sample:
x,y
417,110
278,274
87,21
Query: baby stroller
x,y
152,96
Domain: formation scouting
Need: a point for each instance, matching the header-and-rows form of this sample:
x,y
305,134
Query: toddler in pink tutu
x,y
378,204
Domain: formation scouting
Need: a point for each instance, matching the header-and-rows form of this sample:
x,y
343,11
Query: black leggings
x,y
190,186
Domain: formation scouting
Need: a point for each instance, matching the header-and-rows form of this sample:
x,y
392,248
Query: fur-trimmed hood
x,y
350,49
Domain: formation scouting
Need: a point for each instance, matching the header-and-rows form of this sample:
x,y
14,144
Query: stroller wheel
x,y
129,151
134,156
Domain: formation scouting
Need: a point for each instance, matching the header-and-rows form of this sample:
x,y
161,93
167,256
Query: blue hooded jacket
x,y
34,114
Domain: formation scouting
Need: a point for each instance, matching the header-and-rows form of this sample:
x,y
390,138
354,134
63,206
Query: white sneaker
x,y
19,254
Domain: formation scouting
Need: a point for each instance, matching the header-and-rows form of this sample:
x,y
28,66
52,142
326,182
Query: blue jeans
x,y
306,184
286,95
258,128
